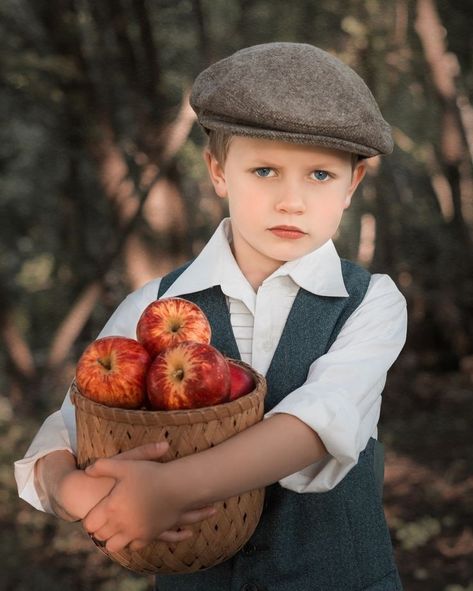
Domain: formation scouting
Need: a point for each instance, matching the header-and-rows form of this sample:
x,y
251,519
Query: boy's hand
x,y
77,493
140,507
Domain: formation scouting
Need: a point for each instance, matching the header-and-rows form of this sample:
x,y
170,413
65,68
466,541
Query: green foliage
x,y
417,533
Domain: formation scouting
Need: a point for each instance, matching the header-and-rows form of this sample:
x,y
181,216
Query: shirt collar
x,y
318,272
215,265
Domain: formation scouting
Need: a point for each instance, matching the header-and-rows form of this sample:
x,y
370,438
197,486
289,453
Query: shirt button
x,y
249,549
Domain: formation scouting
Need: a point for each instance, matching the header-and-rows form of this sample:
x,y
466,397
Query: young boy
x,y
289,127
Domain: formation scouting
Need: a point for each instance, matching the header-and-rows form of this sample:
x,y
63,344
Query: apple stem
x,y
105,363
178,374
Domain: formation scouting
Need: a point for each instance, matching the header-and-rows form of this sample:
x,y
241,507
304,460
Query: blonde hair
x,y
218,144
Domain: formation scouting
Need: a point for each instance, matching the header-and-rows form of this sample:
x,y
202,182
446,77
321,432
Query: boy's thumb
x,y
148,451
104,467
112,466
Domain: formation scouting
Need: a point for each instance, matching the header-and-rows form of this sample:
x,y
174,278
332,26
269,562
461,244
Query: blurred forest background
x,y
102,187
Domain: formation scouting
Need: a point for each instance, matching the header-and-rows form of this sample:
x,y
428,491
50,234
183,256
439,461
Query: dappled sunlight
x,y
367,239
164,209
144,264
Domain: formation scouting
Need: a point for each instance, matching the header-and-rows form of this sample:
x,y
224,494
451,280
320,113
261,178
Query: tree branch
x,y
73,323
18,349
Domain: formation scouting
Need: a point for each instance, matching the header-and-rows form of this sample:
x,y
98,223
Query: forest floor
x,y
426,429
428,493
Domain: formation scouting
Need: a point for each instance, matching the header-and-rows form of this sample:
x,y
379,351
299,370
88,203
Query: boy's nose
x,y
291,201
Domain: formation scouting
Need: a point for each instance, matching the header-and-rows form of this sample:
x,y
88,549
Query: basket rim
x,y
187,416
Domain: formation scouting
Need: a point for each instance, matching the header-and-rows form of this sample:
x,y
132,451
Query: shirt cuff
x,y
337,422
52,436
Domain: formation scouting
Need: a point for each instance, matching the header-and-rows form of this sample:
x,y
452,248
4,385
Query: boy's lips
x,y
291,232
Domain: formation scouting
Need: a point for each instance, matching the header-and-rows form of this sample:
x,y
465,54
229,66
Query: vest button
x,y
248,549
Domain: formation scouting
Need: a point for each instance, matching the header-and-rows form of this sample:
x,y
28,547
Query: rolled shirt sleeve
x,y
52,436
341,398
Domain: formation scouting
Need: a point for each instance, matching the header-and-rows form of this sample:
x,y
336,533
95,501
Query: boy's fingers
x,y
197,515
175,536
105,467
137,545
111,466
96,517
148,451
103,534
117,542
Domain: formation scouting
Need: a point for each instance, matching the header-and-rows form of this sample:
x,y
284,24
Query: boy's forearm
x,y
50,470
255,458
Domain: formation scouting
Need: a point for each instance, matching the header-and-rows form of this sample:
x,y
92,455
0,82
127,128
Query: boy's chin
x,y
286,256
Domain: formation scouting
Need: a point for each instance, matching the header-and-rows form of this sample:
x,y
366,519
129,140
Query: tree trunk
x,y
453,149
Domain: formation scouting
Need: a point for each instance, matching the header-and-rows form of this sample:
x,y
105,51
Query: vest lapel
x,y
305,336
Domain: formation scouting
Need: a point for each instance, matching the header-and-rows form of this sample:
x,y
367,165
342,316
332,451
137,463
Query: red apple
x,y
167,322
189,375
112,370
241,381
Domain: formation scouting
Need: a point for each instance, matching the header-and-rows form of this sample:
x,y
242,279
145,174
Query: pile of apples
x,y
171,364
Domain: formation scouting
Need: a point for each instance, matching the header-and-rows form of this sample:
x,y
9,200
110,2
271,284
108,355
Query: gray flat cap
x,y
293,92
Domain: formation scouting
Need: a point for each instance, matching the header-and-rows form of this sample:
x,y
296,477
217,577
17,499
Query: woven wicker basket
x,y
103,431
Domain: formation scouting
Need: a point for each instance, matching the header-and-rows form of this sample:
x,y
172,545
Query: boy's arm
x,y
341,398
254,458
69,492
51,437
49,462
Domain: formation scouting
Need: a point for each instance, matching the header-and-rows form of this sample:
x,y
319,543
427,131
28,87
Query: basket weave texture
x,y
104,431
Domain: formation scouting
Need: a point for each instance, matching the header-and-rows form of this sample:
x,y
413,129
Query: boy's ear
x,y
357,176
216,173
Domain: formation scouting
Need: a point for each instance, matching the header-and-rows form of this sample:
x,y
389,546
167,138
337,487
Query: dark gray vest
x,y
332,541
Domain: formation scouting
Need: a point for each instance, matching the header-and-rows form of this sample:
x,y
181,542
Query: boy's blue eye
x,y
263,172
321,175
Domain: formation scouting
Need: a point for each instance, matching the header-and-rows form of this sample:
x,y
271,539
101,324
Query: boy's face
x,y
285,199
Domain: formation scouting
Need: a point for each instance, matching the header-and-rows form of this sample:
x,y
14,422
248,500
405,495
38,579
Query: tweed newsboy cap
x,y
293,92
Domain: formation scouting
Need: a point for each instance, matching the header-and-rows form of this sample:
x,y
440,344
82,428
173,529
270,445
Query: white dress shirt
x,y
341,397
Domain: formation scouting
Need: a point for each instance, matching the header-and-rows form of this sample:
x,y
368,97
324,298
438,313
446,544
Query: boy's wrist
x,y
50,472
185,483
77,493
